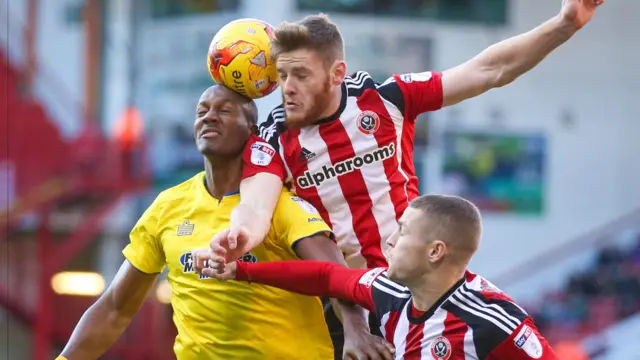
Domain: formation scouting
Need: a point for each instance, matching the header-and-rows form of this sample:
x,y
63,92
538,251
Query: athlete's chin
x,y
399,273
296,119
392,273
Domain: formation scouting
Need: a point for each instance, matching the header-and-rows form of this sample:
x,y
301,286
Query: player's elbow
x,y
494,70
104,311
501,76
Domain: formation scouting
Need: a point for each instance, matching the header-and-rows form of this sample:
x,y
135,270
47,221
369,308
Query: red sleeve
x,y
525,343
258,156
422,92
315,278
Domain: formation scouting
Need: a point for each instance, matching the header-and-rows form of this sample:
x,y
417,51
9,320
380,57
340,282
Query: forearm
x,y
517,55
352,316
97,330
307,277
260,195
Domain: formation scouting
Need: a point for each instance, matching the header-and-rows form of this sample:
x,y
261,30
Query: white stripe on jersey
x,y
286,166
340,214
489,316
433,328
357,81
376,181
402,330
398,123
383,322
383,278
393,292
470,351
473,298
278,116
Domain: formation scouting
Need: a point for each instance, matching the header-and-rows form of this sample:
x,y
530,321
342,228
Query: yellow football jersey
x,y
230,320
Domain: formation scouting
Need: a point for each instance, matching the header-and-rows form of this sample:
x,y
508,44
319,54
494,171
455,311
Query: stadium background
x,y
96,109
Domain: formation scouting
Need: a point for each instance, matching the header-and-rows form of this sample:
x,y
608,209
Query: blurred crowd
x,y
608,291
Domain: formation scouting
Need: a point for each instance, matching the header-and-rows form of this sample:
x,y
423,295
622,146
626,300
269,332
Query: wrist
x,y
565,24
241,273
354,322
355,327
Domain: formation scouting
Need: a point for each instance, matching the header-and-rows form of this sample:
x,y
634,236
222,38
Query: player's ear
x,y
436,251
338,72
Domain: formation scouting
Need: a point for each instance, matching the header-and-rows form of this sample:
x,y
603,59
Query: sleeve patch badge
x,y
370,276
529,342
422,77
262,153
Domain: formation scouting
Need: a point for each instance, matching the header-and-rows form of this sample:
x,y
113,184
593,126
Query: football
x,y
240,58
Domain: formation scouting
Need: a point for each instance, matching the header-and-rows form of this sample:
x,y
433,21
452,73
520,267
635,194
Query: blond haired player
x,y
218,320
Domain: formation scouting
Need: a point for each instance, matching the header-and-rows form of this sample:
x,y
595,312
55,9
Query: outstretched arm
x,y
104,322
307,277
502,63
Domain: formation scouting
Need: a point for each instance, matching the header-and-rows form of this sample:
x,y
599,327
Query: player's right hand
x,y
219,269
207,262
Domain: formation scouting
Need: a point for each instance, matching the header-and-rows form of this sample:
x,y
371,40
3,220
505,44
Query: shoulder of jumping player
x,y
271,129
492,315
358,83
387,294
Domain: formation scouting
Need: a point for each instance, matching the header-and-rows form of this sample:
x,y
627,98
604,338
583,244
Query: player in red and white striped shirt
x,y
444,312
345,143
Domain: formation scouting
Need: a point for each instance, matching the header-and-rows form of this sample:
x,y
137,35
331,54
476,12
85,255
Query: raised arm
x,y
262,181
502,63
104,322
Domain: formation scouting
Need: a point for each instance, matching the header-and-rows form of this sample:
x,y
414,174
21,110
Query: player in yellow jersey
x,y
217,320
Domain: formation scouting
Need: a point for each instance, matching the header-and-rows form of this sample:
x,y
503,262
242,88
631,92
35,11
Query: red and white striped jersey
x,y
473,320
356,167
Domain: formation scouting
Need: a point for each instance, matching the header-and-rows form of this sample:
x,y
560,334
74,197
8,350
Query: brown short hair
x,y
451,219
316,32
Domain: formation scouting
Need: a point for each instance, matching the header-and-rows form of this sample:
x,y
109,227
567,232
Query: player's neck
x,y
334,103
223,176
427,290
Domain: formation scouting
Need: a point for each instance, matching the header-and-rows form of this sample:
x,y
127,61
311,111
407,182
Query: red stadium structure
x,y
70,187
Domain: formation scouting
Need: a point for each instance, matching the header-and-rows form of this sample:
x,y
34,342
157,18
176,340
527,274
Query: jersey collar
x,y
231,193
425,316
336,115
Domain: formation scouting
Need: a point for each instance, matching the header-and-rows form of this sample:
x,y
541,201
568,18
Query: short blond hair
x,y
314,32
452,219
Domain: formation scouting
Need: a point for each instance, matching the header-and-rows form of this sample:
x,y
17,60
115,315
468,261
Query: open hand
x,y
236,241
579,12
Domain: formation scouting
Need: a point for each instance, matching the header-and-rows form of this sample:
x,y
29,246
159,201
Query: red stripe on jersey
x,y
386,134
296,166
454,330
413,349
390,325
353,187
